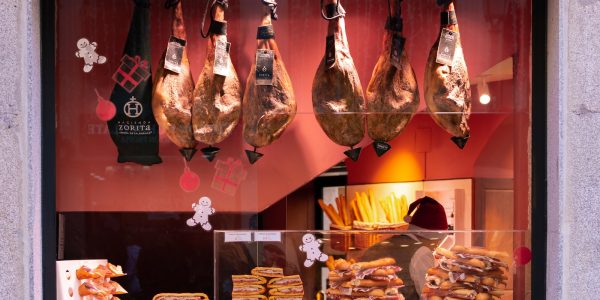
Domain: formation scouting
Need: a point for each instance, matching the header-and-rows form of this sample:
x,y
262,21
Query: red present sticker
x,y
229,176
131,72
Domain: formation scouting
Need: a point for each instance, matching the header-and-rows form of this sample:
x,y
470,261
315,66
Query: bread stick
x,y
373,206
336,215
344,211
331,214
357,215
394,212
404,204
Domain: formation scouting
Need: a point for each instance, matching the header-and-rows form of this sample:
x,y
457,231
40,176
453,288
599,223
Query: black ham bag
x,y
134,129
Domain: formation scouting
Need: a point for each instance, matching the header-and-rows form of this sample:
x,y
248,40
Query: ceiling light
x,y
484,93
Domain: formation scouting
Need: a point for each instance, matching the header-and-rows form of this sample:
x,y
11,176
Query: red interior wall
x,y
89,179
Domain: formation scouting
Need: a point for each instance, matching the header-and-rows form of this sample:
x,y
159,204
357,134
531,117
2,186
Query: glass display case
x,y
141,182
395,265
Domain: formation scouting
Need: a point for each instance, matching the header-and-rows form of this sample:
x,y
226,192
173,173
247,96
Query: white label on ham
x,y
174,54
221,66
264,66
446,47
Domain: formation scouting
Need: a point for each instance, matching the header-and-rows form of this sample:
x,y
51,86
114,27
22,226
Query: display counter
x,y
393,265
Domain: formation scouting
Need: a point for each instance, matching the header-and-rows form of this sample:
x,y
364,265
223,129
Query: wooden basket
x,y
340,241
366,240
184,296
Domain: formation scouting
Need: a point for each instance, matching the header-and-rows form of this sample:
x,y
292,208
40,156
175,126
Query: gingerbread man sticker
x,y
311,246
87,51
203,209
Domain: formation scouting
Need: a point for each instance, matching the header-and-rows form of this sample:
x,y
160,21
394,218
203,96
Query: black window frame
x,y
539,213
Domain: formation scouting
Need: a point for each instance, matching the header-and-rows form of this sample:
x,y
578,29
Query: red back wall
x,y
90,179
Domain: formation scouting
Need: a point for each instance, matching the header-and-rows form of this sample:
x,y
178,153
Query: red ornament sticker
x,y
105,110
131,72
522,256
189,181
229,175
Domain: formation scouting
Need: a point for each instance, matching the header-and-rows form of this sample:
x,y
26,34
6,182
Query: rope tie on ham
x,y
272,4
448,18
216,27
394,23
332,11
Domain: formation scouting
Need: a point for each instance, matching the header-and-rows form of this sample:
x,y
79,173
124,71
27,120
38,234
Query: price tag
x,y
397,48
221,66
446,47
330,51
267,236
264,66
174,54
234,237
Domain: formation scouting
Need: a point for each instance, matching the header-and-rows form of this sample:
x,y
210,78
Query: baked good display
x,y
470,273
248,280
245,290
376,280
254,287
267,272
98,283
180,296
293,280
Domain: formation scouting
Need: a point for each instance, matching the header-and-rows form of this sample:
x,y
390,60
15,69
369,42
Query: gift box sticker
x,y
131,72
228,176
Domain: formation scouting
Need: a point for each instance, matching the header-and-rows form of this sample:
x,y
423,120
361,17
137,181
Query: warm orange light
x,y
401,166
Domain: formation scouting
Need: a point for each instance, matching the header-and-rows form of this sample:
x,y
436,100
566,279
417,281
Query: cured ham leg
x,y
337,95
447,87
268,109
392,95
172,95
217,99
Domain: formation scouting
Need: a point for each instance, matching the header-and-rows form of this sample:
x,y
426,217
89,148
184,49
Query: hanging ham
x,y
172,94
447,88
269,105
337,95
392,94
218,96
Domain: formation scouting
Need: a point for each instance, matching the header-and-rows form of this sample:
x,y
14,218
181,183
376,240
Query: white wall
x,y
20,256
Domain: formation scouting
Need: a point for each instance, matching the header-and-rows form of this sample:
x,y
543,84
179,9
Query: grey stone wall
x,y
20,234
573,149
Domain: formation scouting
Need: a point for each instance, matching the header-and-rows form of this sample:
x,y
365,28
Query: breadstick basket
x,y
366,240
341,241
365,212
